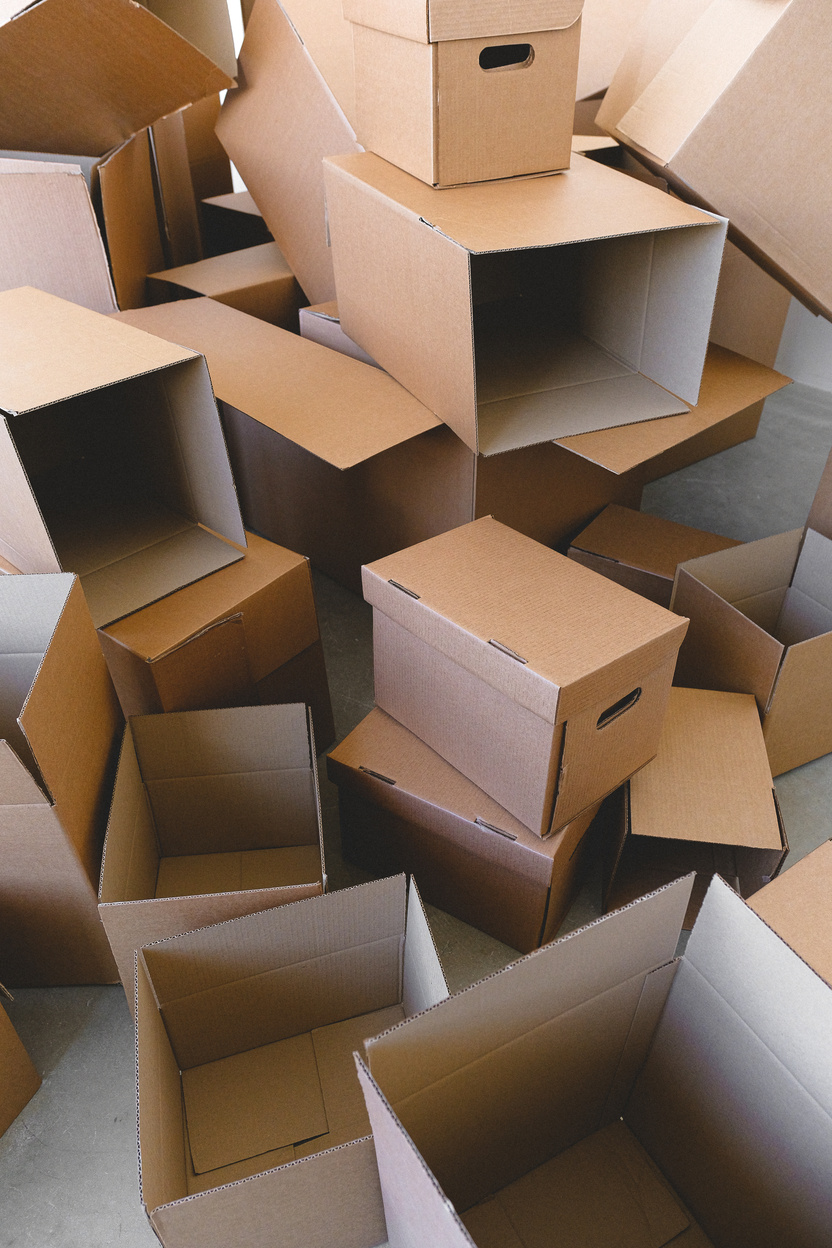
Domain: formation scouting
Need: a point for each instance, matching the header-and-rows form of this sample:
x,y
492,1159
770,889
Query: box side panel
x,y
209,165
423,980
649,584
132,677
131,227
180,223
750,310
210,670
396,100
797,726
25,540
795,906
206,26
820,513
20,1079
130,863
161,1124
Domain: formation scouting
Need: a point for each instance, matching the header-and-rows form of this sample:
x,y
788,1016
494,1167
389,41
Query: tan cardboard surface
x,y
256,280
750,310
796,906
20,1080
128,202
606,26
450,19
209,165
647,542
177,204
327,36
206,26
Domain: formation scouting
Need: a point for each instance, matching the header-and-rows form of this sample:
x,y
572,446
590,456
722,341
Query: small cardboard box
x,y
19,1081
511,309
796,906
706,803
542,682
403,808
641,551
112,456
456,93
60,728
601,1092
262,1056
761,623
214,814
231,222
256,280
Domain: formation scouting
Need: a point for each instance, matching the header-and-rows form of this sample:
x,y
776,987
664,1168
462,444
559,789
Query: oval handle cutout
x,y
507,56
618,708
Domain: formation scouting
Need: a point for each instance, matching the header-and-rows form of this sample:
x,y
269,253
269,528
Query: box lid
x,y
647,542
438,20
82,76
550,634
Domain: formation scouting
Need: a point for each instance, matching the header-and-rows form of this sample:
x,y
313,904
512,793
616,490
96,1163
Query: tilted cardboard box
x,y
112,456
542,682
796,906
262,1055
60,728
511,309
214,814
19,1081
601,1092
456,93
403,808
706,803
256,280
761,623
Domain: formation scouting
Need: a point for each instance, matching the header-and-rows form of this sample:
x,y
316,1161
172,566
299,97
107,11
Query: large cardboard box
x,y
606,28
706,803
728,101
511,309
455,93
256,280
601,1092
111,454
261,1061
796,906
19,1081
60,729
214,814
403,808
539,680
761,623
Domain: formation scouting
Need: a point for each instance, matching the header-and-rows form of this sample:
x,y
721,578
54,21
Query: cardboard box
x,y
509,309
60,729
327,35
214,814
320,323
706,803
543,683
455,94
750,310
760,623
403,808
256,280
263,1059
132,502
19,1081
207,26
725,100
247,634
641,551
231,222
796,906
601,1088
606,28
210,167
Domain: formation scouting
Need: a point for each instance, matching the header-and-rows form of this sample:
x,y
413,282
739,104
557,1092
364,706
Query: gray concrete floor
x,y
68,1165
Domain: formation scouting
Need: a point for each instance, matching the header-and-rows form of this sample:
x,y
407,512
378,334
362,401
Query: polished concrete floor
x,y
68,1165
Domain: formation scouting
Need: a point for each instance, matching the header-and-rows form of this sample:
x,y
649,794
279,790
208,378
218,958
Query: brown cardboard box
x,y
403,808
602,1089
256,280
60,728
606,28
245,634
206,26
262,1057
796,906
543,683
131,500
209,165
706,803
214,814
19,1081
456,93
727,100
231,222
641,551
761,623
510,309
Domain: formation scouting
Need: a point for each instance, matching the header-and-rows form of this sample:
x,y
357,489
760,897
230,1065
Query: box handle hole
x,y
507,56
618,708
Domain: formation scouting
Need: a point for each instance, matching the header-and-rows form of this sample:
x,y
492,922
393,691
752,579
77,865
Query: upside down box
x,y
253,1022
19,1081
601,1092
539,680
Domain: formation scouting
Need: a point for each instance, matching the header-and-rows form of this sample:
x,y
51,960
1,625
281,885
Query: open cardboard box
x,y
256,280
19,1081
59,723
245,1033
214,814
706,803
601,1092
796,906
112,456
456,93
761,623
403,808
530,309
542,682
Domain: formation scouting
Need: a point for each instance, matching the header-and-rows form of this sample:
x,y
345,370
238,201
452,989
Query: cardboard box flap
x,y
222,275
439,20
423,979
796,906
17,784
130,861
161,1123
206,26
327,36
105,70
743,572
541,628
650,543
807,605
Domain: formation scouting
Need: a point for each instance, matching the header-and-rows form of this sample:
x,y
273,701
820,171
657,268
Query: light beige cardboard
x,y
750,310
209,165
441,20
256,280
484,267
606,27
796,906
327,36
205,26
20,1080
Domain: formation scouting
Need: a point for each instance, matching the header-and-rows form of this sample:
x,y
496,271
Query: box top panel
x,y
235,270
650,543
84,75
796,905
586,202
437,20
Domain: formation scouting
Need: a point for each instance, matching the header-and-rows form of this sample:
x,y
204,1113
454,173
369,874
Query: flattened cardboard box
x,y
261,1060
112,456
509,309
542,682
214,814
796,906
19,1081
603,1089
60,729
706,803
256,280
403,808
761,623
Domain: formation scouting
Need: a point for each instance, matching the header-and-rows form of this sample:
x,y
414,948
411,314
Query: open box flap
x,y
796,906
438,20
206,26
647,542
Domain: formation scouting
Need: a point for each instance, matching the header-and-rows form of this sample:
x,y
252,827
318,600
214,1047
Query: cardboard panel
x,y
327,35
209,165
211,669
795,906
797,726
303,679
206,26
177,204
128,206
644,542
161,1124
20,1079
450,19
606,26
423,980
750,310
24,539
820,513
130,862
